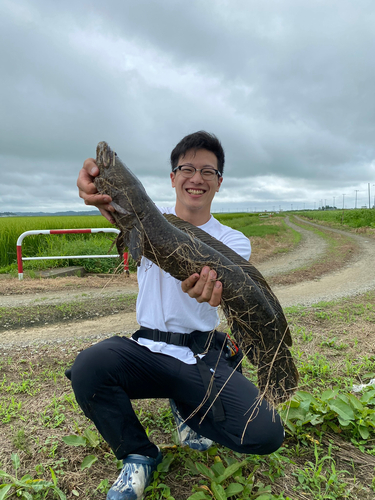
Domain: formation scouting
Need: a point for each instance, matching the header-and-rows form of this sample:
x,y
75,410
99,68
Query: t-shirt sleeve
x,y
238,242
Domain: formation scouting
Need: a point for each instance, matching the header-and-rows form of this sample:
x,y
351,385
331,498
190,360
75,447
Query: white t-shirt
x,y
162,304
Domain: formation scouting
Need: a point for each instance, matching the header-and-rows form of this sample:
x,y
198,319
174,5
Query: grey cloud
x,y
287,87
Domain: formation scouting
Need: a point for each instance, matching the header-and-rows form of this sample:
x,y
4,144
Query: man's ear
x,y
219,184
172,176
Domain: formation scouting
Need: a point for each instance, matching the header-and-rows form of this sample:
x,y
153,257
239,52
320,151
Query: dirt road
x,y
356,277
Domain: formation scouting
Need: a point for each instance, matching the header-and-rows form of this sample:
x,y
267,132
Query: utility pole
x,y
369,201
356,191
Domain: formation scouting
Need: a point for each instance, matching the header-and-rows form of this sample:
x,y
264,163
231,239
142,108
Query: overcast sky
x,y
287,86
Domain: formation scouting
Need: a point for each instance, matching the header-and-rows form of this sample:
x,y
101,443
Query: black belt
x,y
198,342
181,339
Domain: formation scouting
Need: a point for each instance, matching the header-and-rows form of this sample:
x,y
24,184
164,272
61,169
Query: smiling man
x,y
170,356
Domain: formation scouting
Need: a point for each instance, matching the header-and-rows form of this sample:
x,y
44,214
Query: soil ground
x,y
44,323
58,308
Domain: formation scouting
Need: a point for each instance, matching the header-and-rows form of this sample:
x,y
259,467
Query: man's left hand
x,y
203,287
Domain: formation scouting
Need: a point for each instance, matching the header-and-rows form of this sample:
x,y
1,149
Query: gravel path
x,y
310,248
356,278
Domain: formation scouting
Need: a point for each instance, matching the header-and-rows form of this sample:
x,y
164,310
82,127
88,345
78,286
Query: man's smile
x,y
195,191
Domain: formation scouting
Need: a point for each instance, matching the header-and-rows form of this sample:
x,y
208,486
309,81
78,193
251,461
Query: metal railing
x,y
20,259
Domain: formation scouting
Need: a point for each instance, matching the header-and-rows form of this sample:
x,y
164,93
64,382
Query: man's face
x,y
196,193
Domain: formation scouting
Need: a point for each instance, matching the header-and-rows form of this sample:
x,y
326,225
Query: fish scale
x,y
253,312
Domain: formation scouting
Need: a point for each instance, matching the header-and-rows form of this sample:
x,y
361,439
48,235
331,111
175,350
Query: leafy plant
x,y
341,413
26,487
89,438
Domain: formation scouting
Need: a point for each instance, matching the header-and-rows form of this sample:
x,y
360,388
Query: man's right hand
x,y
89,193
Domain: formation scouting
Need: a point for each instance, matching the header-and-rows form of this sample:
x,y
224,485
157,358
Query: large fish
x,y
181,249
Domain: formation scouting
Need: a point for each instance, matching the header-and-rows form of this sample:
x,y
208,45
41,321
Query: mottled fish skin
x,y
181,249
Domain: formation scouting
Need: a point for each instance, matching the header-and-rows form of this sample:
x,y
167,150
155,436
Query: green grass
x,y
89,244
46,436
252,224
49,245
353,218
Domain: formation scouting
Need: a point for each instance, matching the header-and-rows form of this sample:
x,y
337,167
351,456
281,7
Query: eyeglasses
x,y
188,171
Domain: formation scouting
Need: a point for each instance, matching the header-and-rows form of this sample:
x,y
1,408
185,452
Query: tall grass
x,y
355,218
35,246
85,244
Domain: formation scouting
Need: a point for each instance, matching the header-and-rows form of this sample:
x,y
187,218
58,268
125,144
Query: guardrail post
x,y
126,263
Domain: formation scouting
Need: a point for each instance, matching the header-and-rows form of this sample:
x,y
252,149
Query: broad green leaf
x,y
166,463
198,496
15,460
368,397
229,471
343,422
91,437
4,491
74,440
218,468
88,461
364,432
205,471
62,495
354,401
329,394
344,410
305,399
191,466
265,496
27,496
218,491
233,489
296,414
5,474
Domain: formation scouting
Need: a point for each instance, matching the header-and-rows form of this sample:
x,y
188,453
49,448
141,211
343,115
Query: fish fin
x,y
135,243
119,209
245,265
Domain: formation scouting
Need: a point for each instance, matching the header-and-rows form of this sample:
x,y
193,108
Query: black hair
x,y
199,140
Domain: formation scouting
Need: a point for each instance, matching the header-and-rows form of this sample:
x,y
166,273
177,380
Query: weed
x,y
322,484
27,487
334,344
22,441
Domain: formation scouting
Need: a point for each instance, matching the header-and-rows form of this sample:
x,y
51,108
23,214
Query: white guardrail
x,y
20,259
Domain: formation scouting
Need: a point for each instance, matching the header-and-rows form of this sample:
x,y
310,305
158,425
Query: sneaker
x,y
186,435
134,477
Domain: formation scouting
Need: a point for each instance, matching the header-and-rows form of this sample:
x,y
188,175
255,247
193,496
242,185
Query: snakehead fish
x,y
252,310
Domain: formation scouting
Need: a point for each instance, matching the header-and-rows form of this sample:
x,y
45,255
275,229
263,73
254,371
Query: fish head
x,y
115,179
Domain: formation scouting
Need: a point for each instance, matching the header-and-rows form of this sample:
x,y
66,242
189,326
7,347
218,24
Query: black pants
x,y
108,375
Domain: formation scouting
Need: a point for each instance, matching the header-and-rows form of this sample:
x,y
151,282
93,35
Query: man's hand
x,y
88,191
203,287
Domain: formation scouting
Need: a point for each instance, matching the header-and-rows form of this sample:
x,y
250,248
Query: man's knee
x,y
267,441
92,367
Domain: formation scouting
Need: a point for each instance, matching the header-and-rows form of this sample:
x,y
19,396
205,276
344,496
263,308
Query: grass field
x,y
355,218
48,449
80,244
